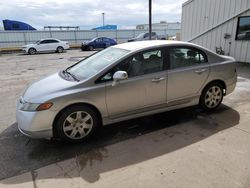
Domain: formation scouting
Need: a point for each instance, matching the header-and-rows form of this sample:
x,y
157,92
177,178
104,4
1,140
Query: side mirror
x,y
119,75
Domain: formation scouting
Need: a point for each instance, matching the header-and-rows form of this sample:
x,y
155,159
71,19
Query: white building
x,y
218,24
161,25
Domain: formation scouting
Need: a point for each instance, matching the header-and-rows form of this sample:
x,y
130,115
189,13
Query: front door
x,y
188,71
98,43
145,87
43,46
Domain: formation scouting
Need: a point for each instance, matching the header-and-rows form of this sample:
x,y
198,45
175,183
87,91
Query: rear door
x,y
106,42
53,44
188,71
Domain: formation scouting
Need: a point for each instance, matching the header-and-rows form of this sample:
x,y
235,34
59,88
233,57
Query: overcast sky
x,y
87,13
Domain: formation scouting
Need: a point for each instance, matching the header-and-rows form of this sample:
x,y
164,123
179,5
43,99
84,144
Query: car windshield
x,y
93,39
37,42
97,62
140,35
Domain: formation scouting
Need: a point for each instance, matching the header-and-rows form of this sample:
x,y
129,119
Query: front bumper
x,y
36,124
84,47
24,50
37,134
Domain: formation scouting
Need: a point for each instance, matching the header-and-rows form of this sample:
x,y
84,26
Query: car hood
x,y
132,39
86,42
47,88
28,45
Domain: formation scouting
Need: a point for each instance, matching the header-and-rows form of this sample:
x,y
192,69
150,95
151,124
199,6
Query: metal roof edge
x,y
187,2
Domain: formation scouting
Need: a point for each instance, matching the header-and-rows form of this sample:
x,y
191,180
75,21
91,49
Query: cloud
x,y
87,13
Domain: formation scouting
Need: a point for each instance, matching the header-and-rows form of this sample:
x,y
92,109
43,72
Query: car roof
x,y
50,39
150,43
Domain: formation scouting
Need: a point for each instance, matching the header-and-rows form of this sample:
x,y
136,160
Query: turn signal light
x,y
44,106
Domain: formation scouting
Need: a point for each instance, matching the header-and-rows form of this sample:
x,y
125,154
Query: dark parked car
x,y
100,42
145,36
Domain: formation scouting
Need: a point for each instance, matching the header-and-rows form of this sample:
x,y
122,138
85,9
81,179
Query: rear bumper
x,y
230,88
66,47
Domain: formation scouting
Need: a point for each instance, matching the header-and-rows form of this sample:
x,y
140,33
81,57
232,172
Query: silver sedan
x,y
123,82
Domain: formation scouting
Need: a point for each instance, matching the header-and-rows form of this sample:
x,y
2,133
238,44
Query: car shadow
x,y
113,147
40,53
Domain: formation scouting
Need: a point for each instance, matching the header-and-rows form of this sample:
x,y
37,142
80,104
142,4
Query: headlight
x,y
35,106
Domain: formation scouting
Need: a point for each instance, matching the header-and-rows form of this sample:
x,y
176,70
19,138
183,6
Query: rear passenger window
x,y
184,57
53,41
105,40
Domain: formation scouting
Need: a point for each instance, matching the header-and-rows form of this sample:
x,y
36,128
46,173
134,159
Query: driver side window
x,y
139,64
44,42
98,40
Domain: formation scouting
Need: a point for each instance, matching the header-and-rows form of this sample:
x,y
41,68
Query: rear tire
x,y
107,45
77,123
59,49
32,51
211,97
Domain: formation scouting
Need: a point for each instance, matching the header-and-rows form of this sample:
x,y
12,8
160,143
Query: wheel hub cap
x,y
78,125
213,97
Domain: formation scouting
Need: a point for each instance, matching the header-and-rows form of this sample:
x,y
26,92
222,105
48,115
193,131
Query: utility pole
x,y
103,14
150,18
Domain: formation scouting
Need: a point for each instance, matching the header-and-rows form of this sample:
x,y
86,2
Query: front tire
x,y
32,51
59,49
77,123
211,97
91,48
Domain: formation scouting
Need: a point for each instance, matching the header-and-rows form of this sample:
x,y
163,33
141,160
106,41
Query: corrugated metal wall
x,y
205,22
19,38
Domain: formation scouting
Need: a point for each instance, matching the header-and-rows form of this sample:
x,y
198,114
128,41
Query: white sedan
x,y
46,45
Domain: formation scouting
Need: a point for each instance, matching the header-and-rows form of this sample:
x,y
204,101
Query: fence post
x,y
116,36
75,37
24,37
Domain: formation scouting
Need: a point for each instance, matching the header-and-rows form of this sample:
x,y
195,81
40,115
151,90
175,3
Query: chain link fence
x,y
17,39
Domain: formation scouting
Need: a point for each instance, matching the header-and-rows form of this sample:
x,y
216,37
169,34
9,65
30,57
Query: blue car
x,y
100,42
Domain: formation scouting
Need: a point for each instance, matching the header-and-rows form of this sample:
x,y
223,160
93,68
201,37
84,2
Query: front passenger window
x,y
44,42
142,63
137,65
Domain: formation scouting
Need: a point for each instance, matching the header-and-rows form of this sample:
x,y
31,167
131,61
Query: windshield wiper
x,y
72,75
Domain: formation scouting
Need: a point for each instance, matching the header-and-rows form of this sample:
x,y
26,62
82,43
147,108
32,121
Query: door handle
x,y
200,71
158,79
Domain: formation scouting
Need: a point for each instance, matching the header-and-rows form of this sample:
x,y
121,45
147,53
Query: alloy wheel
x,y
32,51
59,49
213,97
